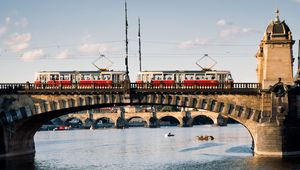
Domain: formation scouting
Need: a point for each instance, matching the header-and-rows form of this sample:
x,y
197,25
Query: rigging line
x,y
135,54
198,45
75,44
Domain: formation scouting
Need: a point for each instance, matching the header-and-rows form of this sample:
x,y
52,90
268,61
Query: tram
x,y
209,78
101,78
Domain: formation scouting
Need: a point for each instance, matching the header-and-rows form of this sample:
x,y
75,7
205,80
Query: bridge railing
x,y
33,86
195,86
11,87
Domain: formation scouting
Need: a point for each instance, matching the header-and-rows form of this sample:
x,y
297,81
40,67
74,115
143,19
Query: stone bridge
x,y
185,118
24,109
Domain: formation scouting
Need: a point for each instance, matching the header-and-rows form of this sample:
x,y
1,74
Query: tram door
x,y
179,77
115,78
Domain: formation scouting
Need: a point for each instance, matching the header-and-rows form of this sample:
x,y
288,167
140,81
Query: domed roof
x,y
278,27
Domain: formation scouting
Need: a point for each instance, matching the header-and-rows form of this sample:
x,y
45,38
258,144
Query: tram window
x,y
106,77
210,76
199,76
65,77
189,76
157,76
54,77
86,77
168,76
62,77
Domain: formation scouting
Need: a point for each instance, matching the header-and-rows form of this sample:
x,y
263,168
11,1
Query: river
x,y
147,148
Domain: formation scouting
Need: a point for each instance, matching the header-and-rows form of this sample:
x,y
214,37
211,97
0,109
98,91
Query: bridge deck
x,y
31,88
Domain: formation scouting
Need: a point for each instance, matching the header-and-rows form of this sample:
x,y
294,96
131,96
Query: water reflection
x,y
202,146
239,149
18,163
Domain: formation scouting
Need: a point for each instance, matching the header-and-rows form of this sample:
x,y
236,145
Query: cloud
x,y
223,22
23,22
297,1
237,31
229,29
33,55
63,55
7,20
18,42
193,43
93,48
2,30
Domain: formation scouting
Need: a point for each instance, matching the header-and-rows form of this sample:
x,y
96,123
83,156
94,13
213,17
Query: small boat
x,y
92,128
205,138
169,134
62,127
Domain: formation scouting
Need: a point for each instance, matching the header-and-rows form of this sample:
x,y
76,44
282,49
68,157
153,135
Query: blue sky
x,y
69,34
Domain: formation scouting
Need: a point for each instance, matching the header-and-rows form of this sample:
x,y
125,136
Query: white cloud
x,y
237,31
221,22
297,1
7,19
63,55
33,55
18,42
93,48
229,29
23,22
2,30
193,43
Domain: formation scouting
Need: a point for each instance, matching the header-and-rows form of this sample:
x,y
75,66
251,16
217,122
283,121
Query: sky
x,y
70,35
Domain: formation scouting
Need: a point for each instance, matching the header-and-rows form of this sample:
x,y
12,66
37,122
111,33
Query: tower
x,y
274,56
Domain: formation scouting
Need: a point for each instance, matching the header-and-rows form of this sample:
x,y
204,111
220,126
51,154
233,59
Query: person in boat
x,y
170,134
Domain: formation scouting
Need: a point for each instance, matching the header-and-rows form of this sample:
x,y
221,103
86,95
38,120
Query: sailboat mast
x,y
126,42
140,50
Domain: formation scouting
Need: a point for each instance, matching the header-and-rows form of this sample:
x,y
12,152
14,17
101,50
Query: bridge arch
x,y
105,122
169,121
74,122
145,121
202,120
204,114
38,109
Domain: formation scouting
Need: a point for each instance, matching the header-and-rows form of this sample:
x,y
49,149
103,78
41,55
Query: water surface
x,y
146,148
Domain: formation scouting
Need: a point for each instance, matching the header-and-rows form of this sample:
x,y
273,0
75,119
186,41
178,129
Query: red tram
x,y
205,78
82,78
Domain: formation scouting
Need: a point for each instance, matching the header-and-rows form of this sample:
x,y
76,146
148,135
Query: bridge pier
x,y
154,122
187,120
121,121
16,141
279,133
221,121
280,141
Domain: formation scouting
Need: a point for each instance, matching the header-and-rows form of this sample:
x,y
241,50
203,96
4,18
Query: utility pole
x,y
140,50
126,42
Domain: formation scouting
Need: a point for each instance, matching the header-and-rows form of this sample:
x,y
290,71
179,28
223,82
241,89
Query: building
x,y
274,56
